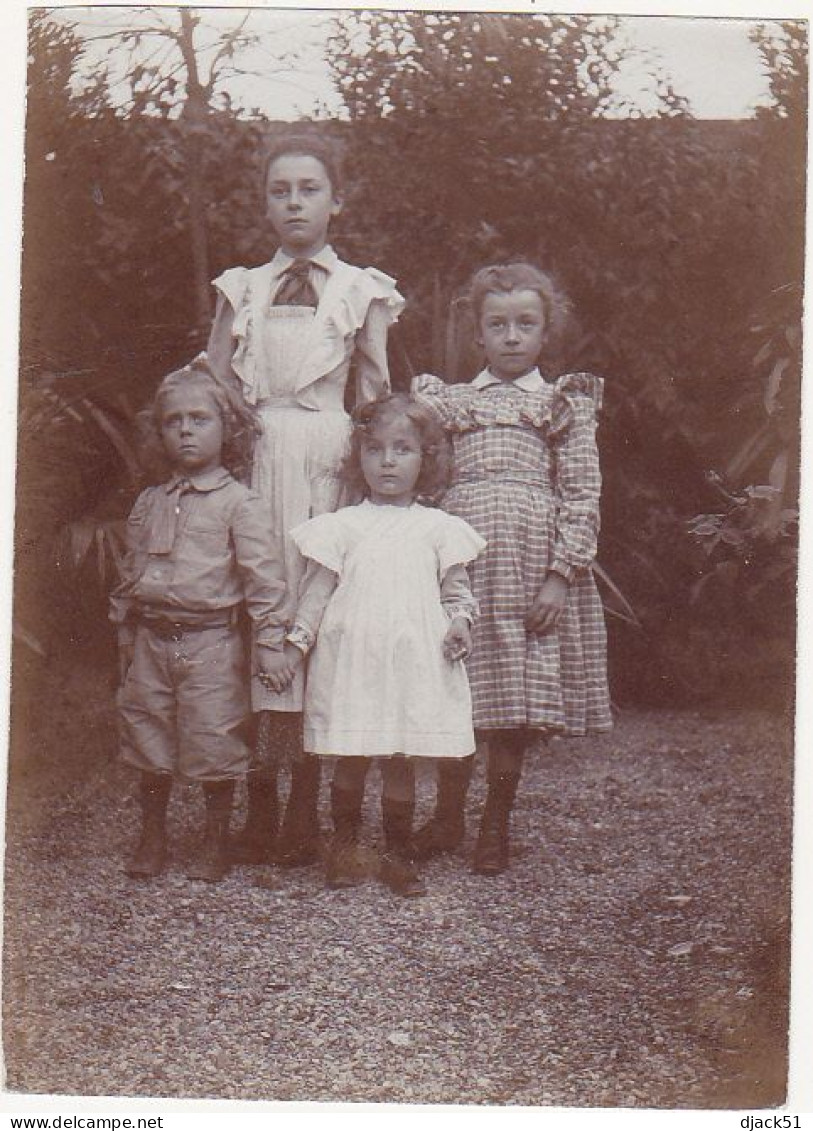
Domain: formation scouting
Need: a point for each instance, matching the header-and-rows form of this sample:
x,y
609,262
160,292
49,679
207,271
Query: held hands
x,y
276,670
543,615
457,641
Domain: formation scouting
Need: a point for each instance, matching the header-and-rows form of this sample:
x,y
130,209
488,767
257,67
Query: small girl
x,y
387,600
526,476
199,549
292,334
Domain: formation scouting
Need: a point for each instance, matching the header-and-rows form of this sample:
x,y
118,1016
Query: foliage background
x,y
467,138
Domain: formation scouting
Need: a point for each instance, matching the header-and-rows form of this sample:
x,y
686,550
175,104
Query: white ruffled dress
x,y
294,364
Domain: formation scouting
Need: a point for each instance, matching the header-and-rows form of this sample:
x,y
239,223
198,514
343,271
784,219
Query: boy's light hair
x,y
240,424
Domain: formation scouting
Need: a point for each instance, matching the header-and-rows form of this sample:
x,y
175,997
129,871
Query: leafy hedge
x,y
470,139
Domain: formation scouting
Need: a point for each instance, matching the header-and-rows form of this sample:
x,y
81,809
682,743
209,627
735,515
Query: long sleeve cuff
x,y
301,638
567,571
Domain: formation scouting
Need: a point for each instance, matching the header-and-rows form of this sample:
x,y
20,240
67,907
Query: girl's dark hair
x,y
502,278
240,424
308,145
436,451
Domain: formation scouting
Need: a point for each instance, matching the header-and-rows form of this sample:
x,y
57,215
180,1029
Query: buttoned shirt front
x,y
222,553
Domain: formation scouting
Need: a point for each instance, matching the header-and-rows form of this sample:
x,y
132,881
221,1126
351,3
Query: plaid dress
x,y
527,479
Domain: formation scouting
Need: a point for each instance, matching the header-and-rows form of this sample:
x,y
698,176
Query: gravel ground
x,y
634,955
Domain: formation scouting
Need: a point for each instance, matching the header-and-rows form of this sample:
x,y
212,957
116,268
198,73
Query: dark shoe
x,y
397,868
255,843
491,851
438,836
149,859
445,830
343,868
401,876
212,863
298,843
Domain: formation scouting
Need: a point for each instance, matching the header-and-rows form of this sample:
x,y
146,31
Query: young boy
x,y
199,548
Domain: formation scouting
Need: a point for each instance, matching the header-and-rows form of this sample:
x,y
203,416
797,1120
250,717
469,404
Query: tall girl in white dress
x,y
387,601
294,333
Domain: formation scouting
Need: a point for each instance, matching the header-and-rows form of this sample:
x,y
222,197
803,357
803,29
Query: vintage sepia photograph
x,y
404,620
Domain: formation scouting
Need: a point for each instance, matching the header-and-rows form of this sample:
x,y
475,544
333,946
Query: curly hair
x,y
502,278
302,144
436,451
240,423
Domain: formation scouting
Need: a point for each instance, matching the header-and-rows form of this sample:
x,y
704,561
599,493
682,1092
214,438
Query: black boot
x,y
256,841
212,862
343,868
299,839
398,869
491,851
150,856
444,831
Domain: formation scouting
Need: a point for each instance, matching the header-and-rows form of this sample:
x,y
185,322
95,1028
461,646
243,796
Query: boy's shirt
x,y
202,544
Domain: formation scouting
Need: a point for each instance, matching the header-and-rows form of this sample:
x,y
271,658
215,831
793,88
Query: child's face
x,y
512,327
391,461
301,203
191,430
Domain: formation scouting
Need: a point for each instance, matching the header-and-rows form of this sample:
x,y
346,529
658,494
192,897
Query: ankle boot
x,y
491,852
149,858
256,841
398,869
343,868
299,839
444,831
212,862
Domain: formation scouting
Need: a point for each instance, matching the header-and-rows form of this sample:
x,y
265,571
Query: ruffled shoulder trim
x,y
581,384
233,285
356,289
458,543
320,539
343,311
577,396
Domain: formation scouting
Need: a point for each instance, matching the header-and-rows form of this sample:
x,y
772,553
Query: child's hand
x,y
543,615
457,641
276,670
126,643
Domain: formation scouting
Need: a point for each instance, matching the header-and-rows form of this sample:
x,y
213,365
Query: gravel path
x,y
634,954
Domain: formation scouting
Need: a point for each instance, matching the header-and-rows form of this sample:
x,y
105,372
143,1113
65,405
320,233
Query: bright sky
x,y
710,60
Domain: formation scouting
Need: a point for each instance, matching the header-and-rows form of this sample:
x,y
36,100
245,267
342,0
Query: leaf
x,y
626,607
115,435
774,384
28,638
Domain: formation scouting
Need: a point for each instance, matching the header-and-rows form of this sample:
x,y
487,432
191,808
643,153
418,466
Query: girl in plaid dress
x,y
527,479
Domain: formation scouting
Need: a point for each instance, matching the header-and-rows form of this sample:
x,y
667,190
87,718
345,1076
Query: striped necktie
x,y
296,288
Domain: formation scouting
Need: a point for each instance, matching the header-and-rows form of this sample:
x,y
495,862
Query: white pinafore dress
x,y
294,363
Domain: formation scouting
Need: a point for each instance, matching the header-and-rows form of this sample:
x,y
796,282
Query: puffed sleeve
x,y
321,540
432,391
370,365
577,474
457,543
